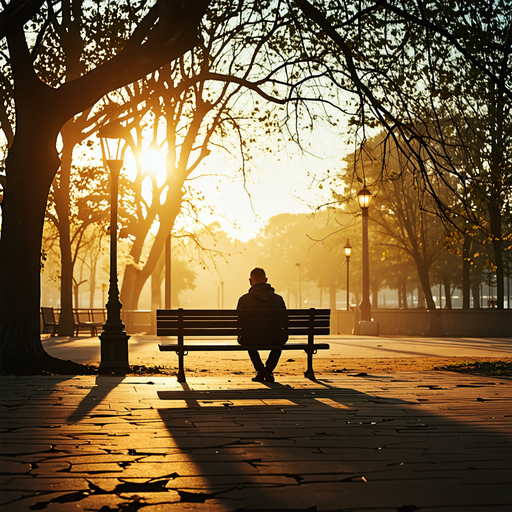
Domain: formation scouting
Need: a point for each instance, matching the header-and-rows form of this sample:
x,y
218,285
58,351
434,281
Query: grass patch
x,y
498,368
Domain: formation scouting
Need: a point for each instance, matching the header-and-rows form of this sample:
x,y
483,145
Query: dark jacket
x,y
262,296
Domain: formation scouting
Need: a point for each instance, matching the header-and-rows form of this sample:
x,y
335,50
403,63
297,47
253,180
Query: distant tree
x,y
313,242
399,213
77,208
436,77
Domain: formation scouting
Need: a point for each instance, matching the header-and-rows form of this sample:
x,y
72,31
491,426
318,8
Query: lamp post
x,y
114,340
364,198
348,250
300,291
167,277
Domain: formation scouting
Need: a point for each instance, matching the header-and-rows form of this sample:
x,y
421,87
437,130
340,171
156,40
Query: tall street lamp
x,y
167,277
114,340
348,250
364,198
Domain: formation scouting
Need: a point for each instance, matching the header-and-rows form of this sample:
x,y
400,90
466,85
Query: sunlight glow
x,y
153,161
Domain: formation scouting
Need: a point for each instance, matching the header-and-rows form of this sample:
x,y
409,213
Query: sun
x,y
153,160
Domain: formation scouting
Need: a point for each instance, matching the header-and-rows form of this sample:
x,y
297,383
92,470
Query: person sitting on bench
x,y
262,296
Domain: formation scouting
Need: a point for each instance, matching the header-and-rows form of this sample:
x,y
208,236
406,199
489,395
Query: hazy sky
x,y
280,184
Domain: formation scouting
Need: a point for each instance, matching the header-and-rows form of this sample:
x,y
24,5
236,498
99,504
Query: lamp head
x,y
113,137
348,249
364,198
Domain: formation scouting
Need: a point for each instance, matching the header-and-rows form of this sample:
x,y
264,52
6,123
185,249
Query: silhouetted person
x,y
262,296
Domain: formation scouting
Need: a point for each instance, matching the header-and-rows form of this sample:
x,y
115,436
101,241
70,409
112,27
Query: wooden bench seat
x,y
257,324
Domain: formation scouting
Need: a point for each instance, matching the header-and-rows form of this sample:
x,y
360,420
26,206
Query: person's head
x,y
257,276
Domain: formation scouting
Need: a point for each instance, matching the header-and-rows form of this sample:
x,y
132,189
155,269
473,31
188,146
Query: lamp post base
x,y
114,353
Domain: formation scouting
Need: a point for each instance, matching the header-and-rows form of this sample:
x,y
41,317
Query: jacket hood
x,y
262,291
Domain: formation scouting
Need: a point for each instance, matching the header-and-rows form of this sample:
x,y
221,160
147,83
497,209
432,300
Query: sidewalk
x,y
143,350
384,441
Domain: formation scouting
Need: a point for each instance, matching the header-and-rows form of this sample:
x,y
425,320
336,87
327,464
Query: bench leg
x,y
309,373
181,370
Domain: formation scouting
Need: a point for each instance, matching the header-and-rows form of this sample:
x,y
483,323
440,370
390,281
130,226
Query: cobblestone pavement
x,y
387,442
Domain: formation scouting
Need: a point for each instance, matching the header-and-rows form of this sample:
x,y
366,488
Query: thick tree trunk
x,y
23,211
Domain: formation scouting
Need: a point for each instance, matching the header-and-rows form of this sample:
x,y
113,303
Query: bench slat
x,y
207,313
163,331
245,324
221,347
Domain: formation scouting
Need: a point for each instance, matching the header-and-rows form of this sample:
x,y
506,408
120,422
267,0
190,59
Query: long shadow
x,y
97,394
321,447
278,448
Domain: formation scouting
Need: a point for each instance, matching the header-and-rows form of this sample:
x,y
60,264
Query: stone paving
x,y
387,442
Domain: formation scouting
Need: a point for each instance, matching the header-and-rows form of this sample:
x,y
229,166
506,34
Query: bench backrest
x,y
98,315
82,315
225,322
48,316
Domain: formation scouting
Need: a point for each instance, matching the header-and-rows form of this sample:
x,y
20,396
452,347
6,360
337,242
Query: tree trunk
x,y
425,286
475,289
23,212
495,222
332,296
466,276
76,293
62,207
375,297
134,277
92,280
447,291
498,190
156,285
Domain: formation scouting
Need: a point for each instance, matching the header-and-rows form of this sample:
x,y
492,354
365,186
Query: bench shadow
x,y
252,447
274,447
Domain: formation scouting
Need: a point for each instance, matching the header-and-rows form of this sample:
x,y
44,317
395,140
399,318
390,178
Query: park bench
x,y
50,324
88,319
84,319
182,323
